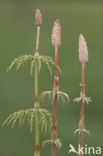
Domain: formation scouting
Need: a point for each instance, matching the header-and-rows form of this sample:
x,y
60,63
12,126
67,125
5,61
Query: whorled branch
x,y
56,141
29,116
51,94
81,130
84,99
22,60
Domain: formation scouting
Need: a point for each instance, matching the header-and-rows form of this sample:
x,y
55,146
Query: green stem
x,y
36,82
36,105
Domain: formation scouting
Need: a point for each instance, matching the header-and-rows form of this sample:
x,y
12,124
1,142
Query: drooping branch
x,y
29,116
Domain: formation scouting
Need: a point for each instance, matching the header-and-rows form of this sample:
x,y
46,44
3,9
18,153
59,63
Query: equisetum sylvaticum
x,y
42,117
55,95
83,58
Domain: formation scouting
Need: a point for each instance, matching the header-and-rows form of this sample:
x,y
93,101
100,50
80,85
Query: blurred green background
x,y
17,37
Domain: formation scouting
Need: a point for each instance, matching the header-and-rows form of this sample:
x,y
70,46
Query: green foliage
x,y
56,141
20,61
44,117
51,94
29,115
84,99
37,59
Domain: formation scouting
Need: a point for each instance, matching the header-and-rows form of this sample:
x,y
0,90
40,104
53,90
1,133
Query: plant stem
x,y
36,97
56,85
37,151
37,39
81,122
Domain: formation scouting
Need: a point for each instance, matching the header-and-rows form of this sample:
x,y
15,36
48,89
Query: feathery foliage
x,y
51,94
22,60
29,115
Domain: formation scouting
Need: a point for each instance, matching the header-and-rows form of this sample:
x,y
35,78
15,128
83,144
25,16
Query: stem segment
x,y
36,99
37,39
56,87
81,122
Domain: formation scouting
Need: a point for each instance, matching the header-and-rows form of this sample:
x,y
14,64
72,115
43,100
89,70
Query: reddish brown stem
x,y
56,85
53,150
81,122
37,151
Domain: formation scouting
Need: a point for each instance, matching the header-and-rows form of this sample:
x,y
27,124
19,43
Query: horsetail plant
x,y
55,95
83,58
41,116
